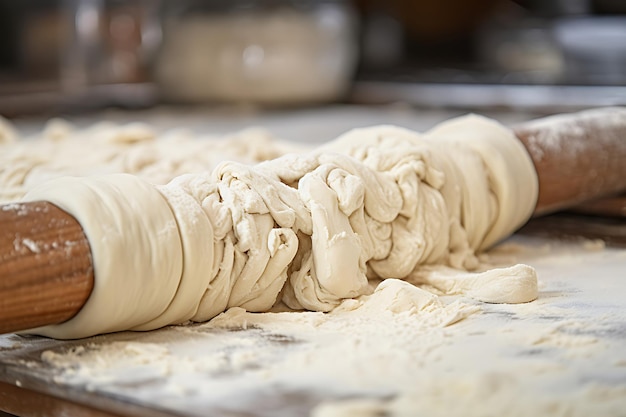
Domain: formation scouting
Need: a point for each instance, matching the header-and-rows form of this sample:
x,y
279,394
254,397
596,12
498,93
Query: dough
x,y
308,230
135,148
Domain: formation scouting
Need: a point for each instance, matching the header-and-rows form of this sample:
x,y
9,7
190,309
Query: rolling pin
x,y
46,271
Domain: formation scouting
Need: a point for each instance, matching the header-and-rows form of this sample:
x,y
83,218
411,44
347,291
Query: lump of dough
x,y
512,285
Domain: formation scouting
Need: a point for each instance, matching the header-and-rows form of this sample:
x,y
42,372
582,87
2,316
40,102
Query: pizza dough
x,y
308,230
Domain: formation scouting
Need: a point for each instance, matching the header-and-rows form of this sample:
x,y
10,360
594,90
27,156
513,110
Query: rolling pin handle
x,y
578,157
46,272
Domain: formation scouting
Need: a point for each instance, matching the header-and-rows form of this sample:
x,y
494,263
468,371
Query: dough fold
x,y
136,250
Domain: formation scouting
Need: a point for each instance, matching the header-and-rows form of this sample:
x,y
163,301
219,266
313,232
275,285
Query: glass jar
x,y
275,52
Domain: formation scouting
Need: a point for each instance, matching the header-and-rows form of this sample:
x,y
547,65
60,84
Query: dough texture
x,y
62,149
308,230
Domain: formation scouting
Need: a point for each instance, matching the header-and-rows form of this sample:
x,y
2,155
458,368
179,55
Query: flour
x,y
271,347
381,354
31,245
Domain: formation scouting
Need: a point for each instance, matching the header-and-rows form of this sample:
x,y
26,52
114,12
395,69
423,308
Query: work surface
x,y
563,354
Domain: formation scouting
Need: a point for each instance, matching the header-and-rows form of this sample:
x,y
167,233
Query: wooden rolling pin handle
x,y
46,272
578,157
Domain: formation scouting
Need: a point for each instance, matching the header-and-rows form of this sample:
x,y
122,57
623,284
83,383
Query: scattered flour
x,y
382,354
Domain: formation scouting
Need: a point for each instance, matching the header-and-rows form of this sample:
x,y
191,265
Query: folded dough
x,y
309,230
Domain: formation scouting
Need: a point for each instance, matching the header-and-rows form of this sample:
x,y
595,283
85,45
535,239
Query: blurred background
x,y
59,56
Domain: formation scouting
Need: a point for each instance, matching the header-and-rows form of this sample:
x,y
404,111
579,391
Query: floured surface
x,y
563,354
401,352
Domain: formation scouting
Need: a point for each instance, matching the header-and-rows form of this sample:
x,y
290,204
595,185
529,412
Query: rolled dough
x,y
308,230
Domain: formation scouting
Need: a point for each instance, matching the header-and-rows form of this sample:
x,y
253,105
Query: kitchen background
x,y
60,56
